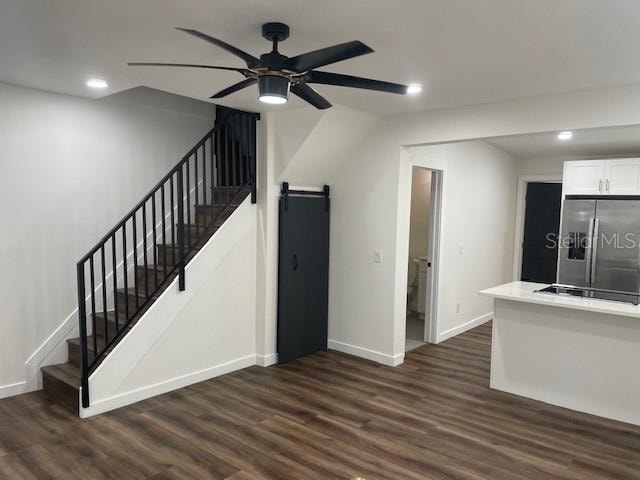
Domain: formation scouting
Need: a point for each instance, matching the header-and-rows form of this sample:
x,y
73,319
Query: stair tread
x,y
67,373
76,341
111,318
200,227
186,247
140,293
208,206
153,266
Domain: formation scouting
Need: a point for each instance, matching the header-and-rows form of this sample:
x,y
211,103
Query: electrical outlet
x,y
460,249
458,307
377,256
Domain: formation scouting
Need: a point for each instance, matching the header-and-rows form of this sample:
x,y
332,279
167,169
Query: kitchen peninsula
x,y
578,353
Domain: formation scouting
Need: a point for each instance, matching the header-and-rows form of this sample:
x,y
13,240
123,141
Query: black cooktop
x,y
633,298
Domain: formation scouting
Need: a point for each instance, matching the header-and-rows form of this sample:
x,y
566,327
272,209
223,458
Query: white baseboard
x,y
14,389
266,360
452,332
133,396
379,357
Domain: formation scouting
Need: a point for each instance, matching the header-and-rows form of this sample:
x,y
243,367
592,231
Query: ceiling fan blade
x,y
234,88
308,94
325,56
188,65
250,60
328,78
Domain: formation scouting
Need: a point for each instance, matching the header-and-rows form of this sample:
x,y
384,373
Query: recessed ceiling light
x,y
414,89
565,135
97,83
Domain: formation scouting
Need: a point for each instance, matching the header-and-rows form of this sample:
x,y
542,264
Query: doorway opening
x,y
539,204
423,247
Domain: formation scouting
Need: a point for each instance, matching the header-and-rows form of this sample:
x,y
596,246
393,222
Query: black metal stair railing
x,y
122,274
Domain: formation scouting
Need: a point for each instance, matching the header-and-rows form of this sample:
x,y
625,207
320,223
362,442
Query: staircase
x,y
138,259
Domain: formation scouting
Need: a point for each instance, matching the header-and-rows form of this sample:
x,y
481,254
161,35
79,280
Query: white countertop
x,y
523,292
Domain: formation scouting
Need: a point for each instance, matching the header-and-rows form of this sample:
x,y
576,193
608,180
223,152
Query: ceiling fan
x,y
276,74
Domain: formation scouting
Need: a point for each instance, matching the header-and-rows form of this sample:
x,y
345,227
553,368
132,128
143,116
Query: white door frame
x,y
521,204
431,298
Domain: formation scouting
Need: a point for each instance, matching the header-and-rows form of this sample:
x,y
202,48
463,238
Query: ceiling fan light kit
x,y
273,89
277,75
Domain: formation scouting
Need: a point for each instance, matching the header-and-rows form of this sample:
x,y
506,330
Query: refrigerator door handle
x,y
594,254
587,270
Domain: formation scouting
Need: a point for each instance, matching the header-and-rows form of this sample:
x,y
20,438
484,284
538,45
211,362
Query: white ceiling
x,y
592,143
462,51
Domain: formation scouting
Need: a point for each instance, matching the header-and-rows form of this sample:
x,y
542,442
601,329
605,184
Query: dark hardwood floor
x,y
325,416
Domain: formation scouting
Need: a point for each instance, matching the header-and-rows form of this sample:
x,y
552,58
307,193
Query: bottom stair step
x,y
65,372
61,384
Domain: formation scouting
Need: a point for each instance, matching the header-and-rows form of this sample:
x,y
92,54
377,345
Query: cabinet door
x,y
584,177
623,176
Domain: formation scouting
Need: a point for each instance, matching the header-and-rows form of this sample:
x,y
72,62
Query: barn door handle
x,y
295,262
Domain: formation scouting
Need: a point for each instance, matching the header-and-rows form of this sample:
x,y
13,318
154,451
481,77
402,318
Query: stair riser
x,y
100,328
74,350
168,254
149,275
188,232
122,302
215,209
222,196
198,233
60,393
205,219
74,354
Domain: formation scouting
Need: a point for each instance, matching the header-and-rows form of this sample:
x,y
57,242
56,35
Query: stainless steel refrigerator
x,y
599,244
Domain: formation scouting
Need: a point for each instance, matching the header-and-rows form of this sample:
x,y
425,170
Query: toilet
x,y
412,284
416,284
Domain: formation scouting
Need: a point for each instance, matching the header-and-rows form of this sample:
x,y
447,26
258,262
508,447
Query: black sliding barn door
x,y
303,273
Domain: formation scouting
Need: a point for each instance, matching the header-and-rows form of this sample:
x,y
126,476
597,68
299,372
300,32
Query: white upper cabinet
x,y
620,176
584,177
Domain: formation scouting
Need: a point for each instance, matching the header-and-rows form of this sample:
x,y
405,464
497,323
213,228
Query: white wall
x,y
477,214
311,144
366,305
71,168
267,244
304,147
190,336
477,221
540,166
